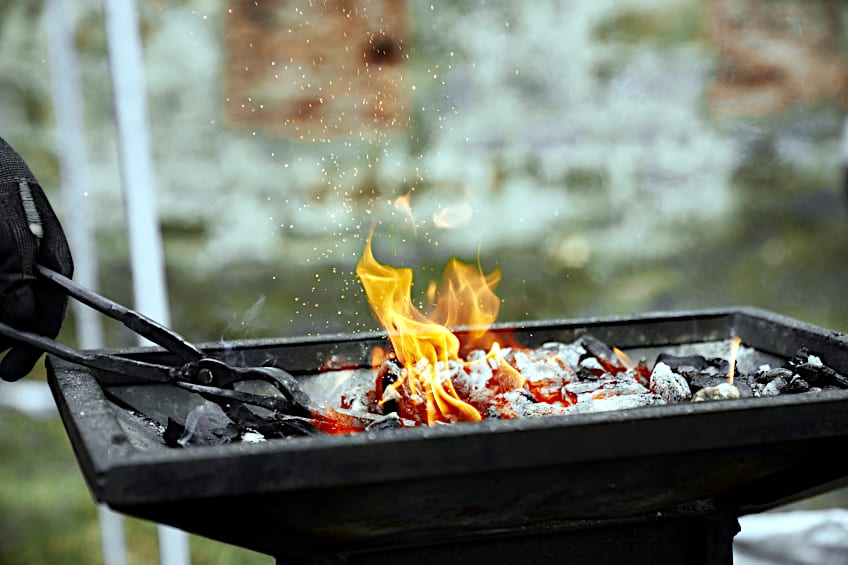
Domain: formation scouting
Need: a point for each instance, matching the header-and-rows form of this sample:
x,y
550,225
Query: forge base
x,y
694,534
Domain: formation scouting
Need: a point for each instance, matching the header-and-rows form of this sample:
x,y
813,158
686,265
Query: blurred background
x,y
609,157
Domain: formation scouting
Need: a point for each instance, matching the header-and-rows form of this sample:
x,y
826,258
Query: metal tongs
x,y
198,372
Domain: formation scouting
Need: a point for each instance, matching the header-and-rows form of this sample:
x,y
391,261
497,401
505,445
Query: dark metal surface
x,y
407,487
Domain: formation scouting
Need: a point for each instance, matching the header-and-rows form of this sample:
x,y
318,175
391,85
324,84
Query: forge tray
x,y
323,494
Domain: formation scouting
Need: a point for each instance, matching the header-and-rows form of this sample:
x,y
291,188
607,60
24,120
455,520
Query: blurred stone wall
x,y
579,140
317,70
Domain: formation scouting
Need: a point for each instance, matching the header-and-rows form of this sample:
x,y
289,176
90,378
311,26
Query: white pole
x,y
137,182
73,163
843,154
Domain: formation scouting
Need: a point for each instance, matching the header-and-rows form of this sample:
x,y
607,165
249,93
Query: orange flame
x,y
734,350
623,357
465,298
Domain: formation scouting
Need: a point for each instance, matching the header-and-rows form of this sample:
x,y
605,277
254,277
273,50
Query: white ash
x,y
355,399
587,390
252,437
522,405
771,374
568,353
584,390
628,384
591,364
723,391
536,367
611,403
668,384
474,380
814,361
544,409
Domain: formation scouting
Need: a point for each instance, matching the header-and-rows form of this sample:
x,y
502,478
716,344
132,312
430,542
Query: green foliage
x,y
672,25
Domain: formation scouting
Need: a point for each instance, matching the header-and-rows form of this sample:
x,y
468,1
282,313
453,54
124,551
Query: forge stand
x,y
535,490
700,533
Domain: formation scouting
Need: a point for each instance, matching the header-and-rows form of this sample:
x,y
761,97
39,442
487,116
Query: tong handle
x,y
140,370
142,325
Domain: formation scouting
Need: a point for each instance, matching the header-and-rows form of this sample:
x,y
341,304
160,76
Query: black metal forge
x,y
638,485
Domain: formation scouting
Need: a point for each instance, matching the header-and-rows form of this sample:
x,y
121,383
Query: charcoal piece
x,y
387,422
205,425
765,377
705,381
721,364
691,363
596,347
585,374
388,374
590,369
797,385
775,386
811,368
173,431
801,356
668,384
822,375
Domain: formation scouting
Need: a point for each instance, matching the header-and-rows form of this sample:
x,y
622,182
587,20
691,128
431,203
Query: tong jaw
x,y
209,371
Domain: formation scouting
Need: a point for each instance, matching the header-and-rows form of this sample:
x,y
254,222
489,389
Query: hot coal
x,y
588,375
583,376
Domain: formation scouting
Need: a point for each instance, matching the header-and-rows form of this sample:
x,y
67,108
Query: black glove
x,y
30,233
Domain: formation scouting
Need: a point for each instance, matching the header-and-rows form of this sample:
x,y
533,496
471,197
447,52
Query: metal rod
x,y
92,359
274,403
135,321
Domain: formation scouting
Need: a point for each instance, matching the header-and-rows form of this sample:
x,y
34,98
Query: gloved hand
x,y
30,233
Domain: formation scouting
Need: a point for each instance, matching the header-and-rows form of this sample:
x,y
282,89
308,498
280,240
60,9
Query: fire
x,y
623,357
734,351
423,344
